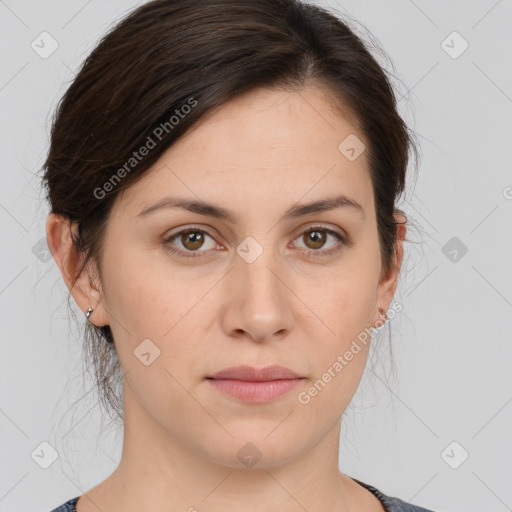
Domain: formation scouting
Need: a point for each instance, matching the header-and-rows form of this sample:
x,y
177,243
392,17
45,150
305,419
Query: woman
x,y
222,178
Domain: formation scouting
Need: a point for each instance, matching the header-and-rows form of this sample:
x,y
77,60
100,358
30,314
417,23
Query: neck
x,y
158,471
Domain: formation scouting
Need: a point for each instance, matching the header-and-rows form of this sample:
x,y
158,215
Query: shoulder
x,y
397,505
69,506
391,503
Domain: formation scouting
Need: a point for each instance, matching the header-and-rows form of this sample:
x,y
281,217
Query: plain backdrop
x,y
436,434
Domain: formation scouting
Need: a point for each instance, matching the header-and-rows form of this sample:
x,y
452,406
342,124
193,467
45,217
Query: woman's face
x,y
253,289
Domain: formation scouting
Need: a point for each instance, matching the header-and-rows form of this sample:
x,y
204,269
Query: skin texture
x,y
258,155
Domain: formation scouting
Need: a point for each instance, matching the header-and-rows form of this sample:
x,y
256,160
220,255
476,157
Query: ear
x,y
389,280
85,291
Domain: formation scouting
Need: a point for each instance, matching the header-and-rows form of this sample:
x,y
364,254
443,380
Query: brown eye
x,y
192,240
315,239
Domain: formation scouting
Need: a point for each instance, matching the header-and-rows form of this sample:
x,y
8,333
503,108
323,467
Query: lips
x,y
253,385
251,374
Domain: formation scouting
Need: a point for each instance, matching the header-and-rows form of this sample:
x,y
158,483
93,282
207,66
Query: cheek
x,y
144,295
338,358
344,307
151,302
342,333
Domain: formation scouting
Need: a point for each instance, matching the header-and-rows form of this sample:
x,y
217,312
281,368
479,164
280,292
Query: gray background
x,y
451,342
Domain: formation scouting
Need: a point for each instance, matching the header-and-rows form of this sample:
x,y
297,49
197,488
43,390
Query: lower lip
x,y
255,392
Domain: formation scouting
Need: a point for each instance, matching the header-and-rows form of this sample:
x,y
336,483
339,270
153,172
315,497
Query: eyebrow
x,y
211,210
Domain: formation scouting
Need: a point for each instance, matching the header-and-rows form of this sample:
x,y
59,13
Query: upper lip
x,y
249,373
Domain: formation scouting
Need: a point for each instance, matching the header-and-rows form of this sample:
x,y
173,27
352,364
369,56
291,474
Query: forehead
x,y
289,125
263,147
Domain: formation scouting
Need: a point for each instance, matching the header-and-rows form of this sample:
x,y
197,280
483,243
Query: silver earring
x,y
88,312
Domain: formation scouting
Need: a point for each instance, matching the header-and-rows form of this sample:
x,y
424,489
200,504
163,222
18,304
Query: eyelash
x,y
311,252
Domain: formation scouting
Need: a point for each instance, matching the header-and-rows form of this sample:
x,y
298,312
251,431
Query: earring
x,y
88,312
383,312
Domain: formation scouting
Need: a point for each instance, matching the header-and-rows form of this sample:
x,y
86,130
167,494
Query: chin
x,y
253,451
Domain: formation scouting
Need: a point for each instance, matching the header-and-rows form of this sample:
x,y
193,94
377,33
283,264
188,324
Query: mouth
x,y
255,385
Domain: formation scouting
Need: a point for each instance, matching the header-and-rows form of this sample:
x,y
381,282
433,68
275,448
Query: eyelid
x,y
324,227
342,239
189,229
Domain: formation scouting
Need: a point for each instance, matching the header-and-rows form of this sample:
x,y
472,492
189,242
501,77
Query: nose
x,y
258,301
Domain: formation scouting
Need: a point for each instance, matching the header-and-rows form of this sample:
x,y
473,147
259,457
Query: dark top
x,y
389,503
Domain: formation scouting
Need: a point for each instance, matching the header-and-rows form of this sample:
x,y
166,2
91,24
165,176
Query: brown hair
x,y
170,54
